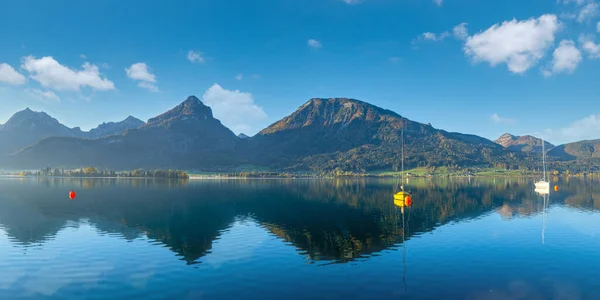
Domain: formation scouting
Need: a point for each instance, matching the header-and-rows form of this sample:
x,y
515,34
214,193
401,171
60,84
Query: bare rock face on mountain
x,y
110,128
325,134
187,136
526,143
27,127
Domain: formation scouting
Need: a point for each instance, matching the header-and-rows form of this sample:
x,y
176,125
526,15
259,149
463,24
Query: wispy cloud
x,y
438,2
314,44
501,120
460,31
588,12
195,57
44,96
353,2
239,76
586,128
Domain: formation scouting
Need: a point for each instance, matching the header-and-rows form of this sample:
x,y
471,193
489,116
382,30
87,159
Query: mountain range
x,y
27,127
322,135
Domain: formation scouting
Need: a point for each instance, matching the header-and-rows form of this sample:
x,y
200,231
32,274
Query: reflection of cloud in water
x,y
521,290
585,223
140,280
10,275
237,242
59,263
46,280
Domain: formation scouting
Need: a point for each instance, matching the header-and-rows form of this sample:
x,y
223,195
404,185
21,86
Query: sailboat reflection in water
x,y
545,193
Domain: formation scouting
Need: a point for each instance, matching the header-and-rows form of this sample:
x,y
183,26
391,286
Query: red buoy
x,y
408,201
72,195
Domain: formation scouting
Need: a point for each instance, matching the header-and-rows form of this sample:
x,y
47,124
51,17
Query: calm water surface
x,y
297,239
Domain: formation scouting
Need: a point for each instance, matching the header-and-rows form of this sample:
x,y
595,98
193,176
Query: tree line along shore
x,y
425,172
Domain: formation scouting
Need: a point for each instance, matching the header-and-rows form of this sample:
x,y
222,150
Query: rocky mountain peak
x,y
27,117
506,139
191,108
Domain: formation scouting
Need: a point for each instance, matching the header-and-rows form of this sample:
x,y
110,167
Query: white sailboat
x,y
543,184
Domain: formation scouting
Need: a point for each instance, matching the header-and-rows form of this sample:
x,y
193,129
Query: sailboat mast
x,y
402,174
544,156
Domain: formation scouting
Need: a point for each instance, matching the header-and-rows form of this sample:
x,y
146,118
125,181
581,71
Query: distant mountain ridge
x,y
526,143
589,149
322,135
187,135
111,128
27,127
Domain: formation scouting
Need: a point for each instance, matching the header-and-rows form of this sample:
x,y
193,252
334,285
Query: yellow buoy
x,y
556,188
402,199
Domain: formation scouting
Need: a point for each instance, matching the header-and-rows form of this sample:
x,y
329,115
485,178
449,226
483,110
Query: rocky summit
x,y
526,143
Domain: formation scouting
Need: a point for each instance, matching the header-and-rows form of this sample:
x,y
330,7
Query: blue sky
x,y
515,66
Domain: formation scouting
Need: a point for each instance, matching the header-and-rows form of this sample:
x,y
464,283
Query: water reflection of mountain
x,y
324,219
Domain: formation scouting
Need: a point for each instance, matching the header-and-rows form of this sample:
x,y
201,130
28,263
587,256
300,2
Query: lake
x,y
298,239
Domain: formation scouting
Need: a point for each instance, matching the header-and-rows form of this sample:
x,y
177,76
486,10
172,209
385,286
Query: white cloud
x,y
565,58
10,75
195,57
394,59
588,45
519,44
234,108
460,31
314,44
438,2
500,120
51,74
588,12
239,76
592,49
43,96
141,72
82,56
